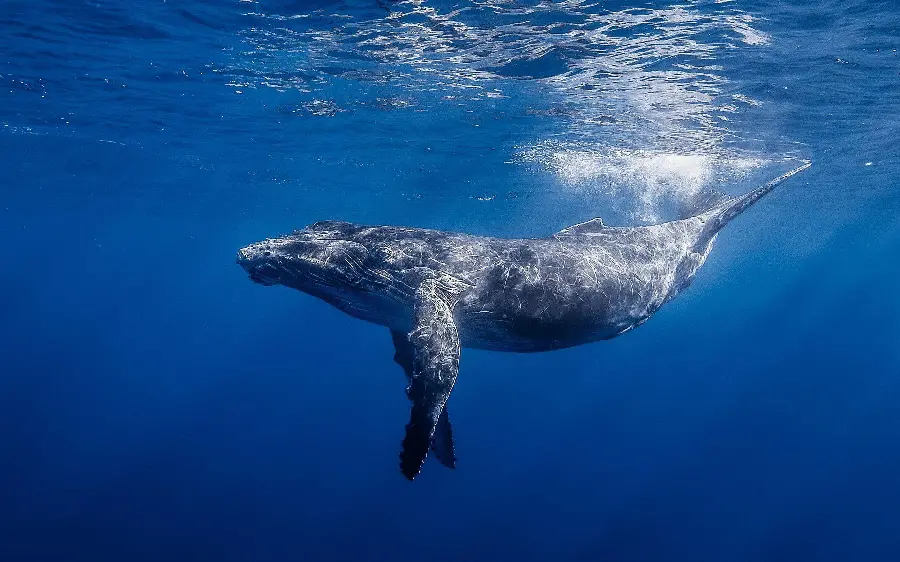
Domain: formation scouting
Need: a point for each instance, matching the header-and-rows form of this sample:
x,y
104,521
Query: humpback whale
x,y
440,291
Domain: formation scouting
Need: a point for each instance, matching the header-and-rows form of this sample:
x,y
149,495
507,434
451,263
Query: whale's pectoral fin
x,y
442,442
435,365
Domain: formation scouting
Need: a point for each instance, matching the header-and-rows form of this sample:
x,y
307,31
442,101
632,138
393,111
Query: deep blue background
x,y
156,405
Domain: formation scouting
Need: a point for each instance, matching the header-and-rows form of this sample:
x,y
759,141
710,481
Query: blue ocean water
x,y
157,405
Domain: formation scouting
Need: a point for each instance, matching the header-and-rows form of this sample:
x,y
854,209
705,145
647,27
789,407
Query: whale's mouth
x,y
258,277
248,259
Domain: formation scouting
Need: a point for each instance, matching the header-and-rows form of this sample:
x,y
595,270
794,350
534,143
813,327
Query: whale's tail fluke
x,y
723,213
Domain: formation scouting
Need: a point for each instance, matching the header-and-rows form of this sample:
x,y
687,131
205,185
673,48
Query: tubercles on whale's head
x,y
260,260
322,255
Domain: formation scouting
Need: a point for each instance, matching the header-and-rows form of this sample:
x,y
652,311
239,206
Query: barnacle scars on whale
x,y
440,291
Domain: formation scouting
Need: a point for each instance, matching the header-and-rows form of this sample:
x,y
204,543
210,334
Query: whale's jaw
x,y
246,260
318,260
261,279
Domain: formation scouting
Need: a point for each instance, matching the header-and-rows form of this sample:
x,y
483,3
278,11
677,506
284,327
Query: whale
x,y
439,291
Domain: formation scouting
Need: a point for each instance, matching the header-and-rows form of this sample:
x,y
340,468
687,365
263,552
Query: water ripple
x,y
636,96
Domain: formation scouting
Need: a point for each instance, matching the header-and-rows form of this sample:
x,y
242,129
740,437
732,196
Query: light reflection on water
x,y
639,98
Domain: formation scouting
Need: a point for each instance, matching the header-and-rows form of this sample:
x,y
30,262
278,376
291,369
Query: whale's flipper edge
x,y
442,444
435,345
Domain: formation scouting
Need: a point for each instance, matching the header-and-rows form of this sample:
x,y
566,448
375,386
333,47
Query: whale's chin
x,y
256,277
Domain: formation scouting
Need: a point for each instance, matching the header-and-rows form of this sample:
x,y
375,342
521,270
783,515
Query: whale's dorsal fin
x,y
435,364
592,226
442,442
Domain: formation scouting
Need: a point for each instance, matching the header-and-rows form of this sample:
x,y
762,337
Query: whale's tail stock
x,y
720,214
724,212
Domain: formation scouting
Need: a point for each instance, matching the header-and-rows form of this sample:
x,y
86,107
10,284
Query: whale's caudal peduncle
x,y
440,291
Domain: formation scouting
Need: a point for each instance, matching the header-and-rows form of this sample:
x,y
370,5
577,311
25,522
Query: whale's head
x,y
322,259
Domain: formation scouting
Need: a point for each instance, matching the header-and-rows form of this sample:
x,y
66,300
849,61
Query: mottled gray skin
x,y
444,290
507,295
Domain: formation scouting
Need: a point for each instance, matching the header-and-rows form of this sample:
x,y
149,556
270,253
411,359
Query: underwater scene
x,y
450,280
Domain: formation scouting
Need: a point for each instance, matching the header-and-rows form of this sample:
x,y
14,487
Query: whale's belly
x,y
542,312
544,324
498,333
